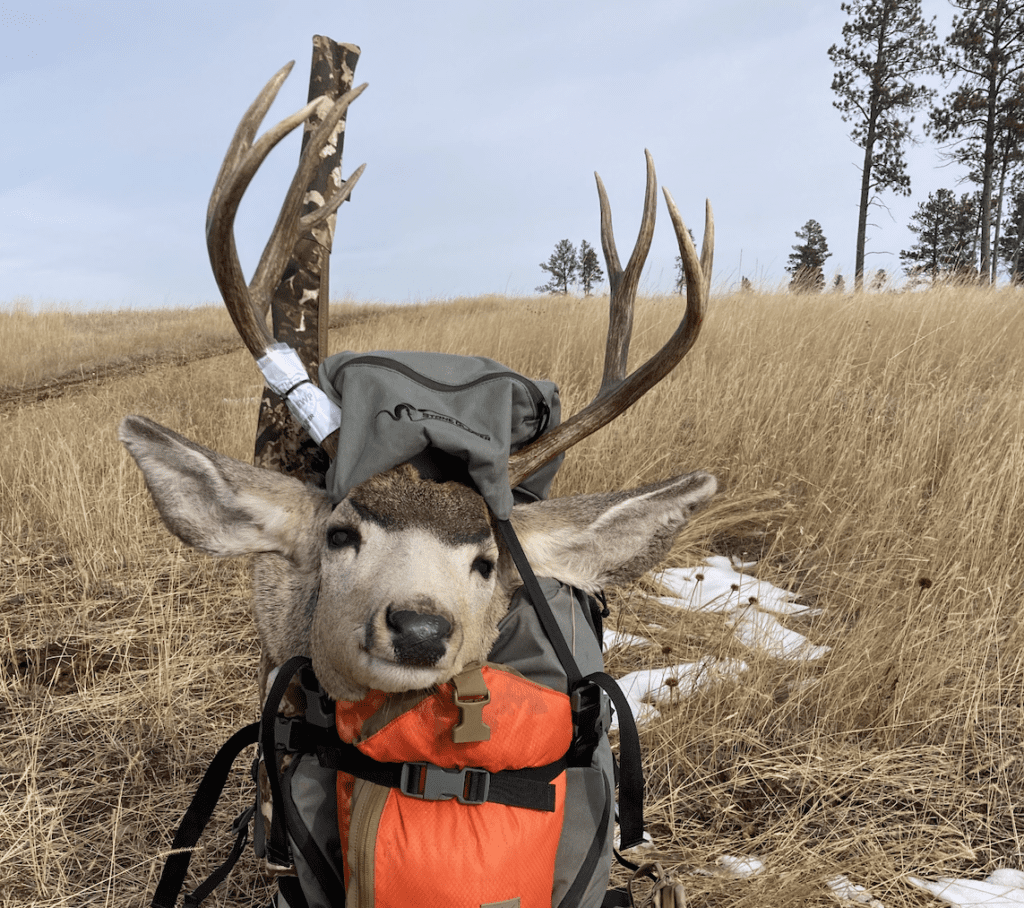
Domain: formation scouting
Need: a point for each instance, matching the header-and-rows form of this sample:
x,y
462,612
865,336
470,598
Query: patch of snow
x,y
1003,888
649,684
748,603
762,631
846,891
719,587
611,637
738,868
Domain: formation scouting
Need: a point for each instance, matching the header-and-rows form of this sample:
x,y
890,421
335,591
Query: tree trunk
x,y
871,135
862,215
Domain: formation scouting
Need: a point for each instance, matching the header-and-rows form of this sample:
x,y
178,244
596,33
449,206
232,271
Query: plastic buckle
x,y
287,732
319,707
591,719
435,783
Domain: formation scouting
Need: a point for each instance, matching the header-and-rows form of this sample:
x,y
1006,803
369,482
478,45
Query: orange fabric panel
x,y
462,856
349,716
452,855
531,725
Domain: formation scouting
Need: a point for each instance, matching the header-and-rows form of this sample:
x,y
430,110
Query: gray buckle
x,y
435,783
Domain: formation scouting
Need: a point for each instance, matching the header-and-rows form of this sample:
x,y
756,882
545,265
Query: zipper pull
x,y
471,696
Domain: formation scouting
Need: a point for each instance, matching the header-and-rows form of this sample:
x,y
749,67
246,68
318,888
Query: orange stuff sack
x,y
419,844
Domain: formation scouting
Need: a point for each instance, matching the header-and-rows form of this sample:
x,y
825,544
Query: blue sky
x,y
481,130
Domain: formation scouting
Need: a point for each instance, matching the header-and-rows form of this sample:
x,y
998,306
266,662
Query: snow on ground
x,y
752,608
749,605
1003,888
643,688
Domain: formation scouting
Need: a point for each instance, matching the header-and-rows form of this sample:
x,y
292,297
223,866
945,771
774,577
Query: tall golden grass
x,y
870,451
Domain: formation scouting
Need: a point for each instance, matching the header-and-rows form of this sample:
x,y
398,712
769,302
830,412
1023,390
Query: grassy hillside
x,y
869,450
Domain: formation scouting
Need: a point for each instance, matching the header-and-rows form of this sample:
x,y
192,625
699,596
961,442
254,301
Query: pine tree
x,y
887,46
946,229
590,269
562,266
984,58
807,260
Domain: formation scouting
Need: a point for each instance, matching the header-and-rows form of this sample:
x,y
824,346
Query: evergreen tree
x,y
807,260
946,229
562,266
984,59
590,268
887,46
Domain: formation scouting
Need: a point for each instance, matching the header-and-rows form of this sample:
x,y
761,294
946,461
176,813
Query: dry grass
x,y
870,450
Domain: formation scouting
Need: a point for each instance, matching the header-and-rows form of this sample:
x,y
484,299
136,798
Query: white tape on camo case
x,y
286,376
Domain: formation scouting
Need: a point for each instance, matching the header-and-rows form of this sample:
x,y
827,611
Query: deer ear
x,y
215,503
594,541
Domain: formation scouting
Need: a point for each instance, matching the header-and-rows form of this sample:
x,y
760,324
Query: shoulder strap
x,y
278,851
631,779
198,815
280,736
540,604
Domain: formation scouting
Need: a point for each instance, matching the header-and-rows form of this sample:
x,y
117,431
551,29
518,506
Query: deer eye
x,y
484,567
343,538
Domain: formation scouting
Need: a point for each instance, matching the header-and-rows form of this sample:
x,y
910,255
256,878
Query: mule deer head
x,y
402,583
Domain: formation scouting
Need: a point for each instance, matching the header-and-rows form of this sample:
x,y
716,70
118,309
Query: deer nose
x,y
418,638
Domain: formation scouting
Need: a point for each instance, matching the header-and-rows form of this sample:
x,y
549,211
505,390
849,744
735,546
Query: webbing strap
x,y
198,815
631,780
278,851
527,788
332,885
540,604
241,825
631,773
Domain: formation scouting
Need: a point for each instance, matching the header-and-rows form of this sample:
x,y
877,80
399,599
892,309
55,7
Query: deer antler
x,y
248,303
617,392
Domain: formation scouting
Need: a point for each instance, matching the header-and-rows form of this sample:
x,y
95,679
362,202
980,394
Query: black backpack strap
x,y
631,780
331,884
617,898
241,829
280,735
274,748
198,815
540,604
631,773
528,788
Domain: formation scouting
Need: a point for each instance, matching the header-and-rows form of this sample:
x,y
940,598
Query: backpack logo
x,y
415,414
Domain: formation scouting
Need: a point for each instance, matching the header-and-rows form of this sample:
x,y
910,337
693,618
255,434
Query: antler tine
x,y
248,304
707,249
246,132
606,407
288,228
623,283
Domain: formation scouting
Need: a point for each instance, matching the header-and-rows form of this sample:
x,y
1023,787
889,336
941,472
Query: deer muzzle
x,y
418,638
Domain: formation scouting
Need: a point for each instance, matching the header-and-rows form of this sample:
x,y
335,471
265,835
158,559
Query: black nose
x,y
418,638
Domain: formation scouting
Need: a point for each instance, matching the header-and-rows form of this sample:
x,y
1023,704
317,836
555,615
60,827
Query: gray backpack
x,y
453,418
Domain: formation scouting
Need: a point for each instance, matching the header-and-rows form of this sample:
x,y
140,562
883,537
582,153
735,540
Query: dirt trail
x,y
15,398
78,381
